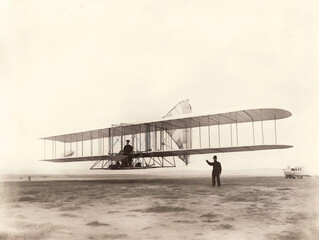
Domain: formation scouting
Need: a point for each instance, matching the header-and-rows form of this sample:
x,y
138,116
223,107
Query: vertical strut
x,y
275,130
109,141
253,131
218,134
121,136
166,140
186,138
147,137
190,136
91,143
262,130
231,135
70,144
141,138
200,137
54,147
237,132
262,125
208,123
155,130
161,139
171,142
101,144
98,143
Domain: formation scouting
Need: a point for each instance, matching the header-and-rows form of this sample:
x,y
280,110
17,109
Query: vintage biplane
x,y
157,143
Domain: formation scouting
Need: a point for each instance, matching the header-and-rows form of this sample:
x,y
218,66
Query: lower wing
x,y
209,150
87,158
170,153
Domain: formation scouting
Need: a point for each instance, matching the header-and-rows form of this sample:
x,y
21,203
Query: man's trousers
x,y
214,178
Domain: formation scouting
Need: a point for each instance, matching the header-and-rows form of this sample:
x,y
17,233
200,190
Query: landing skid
x,y
138,163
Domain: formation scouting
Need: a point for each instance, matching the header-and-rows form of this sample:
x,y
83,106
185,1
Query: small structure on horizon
x,y
296,172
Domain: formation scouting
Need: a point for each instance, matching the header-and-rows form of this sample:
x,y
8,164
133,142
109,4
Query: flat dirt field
x,y
160,208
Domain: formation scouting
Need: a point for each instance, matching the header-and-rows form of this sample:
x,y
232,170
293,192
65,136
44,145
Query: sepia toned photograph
x,y
159,120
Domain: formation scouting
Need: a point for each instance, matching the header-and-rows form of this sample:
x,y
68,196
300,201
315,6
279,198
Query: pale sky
x,y
71,65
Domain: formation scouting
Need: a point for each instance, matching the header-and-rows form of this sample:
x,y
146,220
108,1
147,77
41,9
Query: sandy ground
x,y
161,208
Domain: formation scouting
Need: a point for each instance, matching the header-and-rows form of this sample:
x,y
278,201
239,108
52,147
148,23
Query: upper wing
x,y
176,123
179,152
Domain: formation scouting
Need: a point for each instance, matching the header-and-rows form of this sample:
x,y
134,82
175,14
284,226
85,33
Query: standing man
x,y
217,170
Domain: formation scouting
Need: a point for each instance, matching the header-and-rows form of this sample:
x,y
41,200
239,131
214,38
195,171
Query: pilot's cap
x,y
215,157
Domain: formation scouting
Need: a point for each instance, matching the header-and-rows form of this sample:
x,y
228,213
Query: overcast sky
x,y
72,65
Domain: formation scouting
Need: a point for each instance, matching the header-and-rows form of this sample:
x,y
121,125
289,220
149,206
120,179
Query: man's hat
x,y
215,157
127,140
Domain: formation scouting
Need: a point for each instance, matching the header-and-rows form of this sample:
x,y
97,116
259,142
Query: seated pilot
x,y
127,150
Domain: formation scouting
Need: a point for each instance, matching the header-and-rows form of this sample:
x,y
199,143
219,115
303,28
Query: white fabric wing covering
x,y
182,137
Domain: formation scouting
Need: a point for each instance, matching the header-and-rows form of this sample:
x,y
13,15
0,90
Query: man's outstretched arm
x,y
209,163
